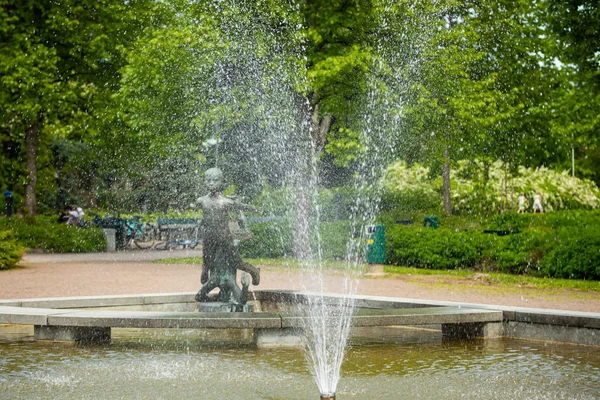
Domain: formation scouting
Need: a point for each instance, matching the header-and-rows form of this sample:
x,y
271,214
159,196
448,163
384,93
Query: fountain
x,y
171,360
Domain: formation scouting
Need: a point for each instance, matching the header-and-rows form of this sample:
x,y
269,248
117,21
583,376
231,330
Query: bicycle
x,y
177,244
137,233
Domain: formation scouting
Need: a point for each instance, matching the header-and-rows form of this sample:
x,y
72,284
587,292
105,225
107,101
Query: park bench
x,y
178,228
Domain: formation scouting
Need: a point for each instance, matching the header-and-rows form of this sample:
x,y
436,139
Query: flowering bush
x,y
472,193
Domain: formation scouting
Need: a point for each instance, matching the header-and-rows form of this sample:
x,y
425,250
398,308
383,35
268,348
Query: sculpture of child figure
x,y
220,253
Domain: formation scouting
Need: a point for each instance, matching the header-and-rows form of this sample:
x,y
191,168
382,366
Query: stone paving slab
x,y
145,319
102,301
407,316
578,319
26,316
218,320
371,311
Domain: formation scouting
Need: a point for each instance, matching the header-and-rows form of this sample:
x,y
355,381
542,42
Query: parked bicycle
x,y
129,232
138,233
177,244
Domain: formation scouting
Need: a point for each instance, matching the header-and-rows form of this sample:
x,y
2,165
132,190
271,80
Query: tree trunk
x,y
446,194
486,172
305,182
31,148
320,129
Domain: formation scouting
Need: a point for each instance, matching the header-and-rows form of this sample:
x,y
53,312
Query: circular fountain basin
x,y
403,363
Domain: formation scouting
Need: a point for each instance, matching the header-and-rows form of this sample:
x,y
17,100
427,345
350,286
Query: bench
x,y
178,228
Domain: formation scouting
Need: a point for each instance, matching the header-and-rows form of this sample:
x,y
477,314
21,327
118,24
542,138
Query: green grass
x,y
495,278
271,262
504,279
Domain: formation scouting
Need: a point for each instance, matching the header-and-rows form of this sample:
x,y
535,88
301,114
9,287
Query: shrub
x,y
434,248
271,239
522,252
577,255
10,251
45,234
274,239
334,239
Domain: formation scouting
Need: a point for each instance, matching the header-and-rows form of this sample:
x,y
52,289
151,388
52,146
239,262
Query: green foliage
x,y
334,239
59,63
548,221
271,239
10,251
577,255
562,244
488,188
521,253
433,248
45,234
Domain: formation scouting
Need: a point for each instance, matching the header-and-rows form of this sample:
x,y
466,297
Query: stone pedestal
x,y
79,334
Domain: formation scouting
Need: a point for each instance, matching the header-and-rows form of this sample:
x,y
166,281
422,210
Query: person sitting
x,y
73,216
80,222
64,217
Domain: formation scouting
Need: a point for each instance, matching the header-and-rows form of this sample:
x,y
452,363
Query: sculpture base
x,y
219,306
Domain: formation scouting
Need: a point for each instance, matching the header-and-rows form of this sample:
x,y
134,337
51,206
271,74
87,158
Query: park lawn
x,y
269,262
497,278
492,278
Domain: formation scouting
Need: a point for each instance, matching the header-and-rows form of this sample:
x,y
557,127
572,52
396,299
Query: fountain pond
x,y
393,363
383,359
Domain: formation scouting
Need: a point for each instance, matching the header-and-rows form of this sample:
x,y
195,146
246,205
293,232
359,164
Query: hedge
x,y
560,245
46,234
577,255
433,248
274,239
271,239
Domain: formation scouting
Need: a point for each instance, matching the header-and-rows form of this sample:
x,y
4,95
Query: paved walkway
x,y
133,272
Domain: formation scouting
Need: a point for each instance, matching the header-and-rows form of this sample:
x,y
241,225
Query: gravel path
x,y
133,272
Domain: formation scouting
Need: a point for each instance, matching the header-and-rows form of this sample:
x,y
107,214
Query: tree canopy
x,y
122,104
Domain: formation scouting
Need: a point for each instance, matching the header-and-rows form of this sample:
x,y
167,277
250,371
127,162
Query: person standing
x,y
8,201
522,201
537,203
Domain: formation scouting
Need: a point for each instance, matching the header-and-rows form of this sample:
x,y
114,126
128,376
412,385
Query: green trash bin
x,y
431,221
375,244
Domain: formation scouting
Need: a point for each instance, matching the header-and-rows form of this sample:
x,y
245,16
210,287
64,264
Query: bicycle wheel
x,y
165,245
161,246
143,245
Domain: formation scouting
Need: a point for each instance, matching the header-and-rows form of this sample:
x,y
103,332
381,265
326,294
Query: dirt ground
x,y
133,272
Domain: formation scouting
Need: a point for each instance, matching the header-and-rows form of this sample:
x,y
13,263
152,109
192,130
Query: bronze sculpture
x,y
220,253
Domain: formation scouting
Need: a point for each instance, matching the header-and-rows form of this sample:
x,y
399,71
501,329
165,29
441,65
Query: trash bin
x,y
431,221
115,223
375,244
111,239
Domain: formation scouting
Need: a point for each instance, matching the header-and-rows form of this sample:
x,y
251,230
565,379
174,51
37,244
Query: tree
x,y
59,67
576,104
484,74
